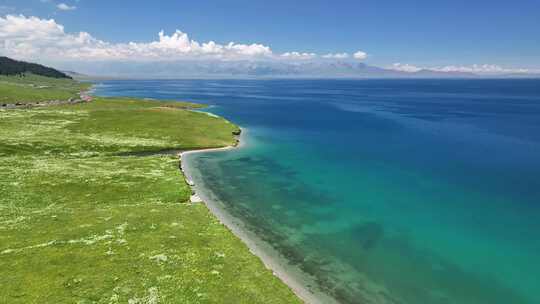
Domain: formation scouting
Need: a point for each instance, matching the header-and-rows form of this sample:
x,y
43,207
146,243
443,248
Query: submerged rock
x,y
368,234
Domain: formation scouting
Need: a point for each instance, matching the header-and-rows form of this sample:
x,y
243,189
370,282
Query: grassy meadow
x,y
86,217
32,88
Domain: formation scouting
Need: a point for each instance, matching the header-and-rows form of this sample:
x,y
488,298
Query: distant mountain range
x,y
231,69
257,69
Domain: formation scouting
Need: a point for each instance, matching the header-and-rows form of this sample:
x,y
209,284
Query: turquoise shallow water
x,y
388,191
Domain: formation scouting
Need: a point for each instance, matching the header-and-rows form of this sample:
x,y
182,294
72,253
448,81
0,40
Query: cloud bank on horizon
x,y
475,68
45,40
31,37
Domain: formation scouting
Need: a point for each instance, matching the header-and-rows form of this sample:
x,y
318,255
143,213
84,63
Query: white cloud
x,y
360,55
405,67
298,56
336,56
44,40
34,38
65,7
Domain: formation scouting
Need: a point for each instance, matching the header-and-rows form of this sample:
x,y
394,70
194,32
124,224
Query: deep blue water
x,y
388,191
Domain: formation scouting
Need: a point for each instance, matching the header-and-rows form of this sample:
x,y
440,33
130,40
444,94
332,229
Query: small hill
x,y
9,67
27,83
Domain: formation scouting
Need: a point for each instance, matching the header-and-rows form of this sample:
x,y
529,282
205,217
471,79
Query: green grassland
x,y
86,218
32,88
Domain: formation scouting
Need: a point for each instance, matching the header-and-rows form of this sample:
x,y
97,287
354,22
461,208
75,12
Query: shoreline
x,y
181,252
298,281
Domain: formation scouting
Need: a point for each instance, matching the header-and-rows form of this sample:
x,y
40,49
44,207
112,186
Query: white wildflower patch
x,y
17,136
159,258
114,299
54,124
220,254
122,228
45,165
5,114
165,277
155,173
156,201
92,239
50,243
14,221
127,141
79,113
152,297
84,154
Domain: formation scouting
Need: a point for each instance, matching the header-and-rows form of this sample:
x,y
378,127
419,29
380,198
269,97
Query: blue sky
x,y
419,33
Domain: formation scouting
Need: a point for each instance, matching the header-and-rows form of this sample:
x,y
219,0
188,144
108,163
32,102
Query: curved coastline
x,y
302,284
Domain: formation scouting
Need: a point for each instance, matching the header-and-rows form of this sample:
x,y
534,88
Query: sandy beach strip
x,y
295,278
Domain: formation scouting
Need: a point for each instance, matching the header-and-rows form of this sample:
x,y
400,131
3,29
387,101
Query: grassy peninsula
x,y
88,214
